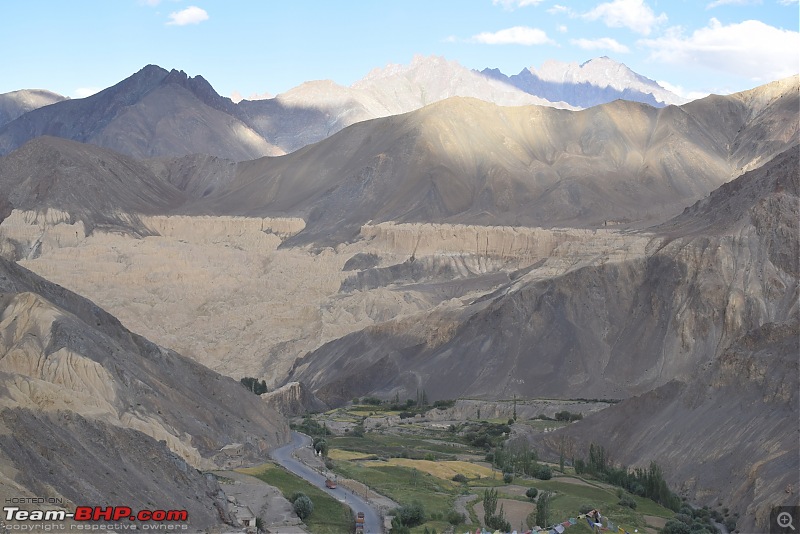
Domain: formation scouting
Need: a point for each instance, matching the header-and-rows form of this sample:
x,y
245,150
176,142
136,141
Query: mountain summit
x,y
594,82
152,113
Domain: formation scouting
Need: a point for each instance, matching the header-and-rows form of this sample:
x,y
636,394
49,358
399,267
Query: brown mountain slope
x,y
152,113
466,161
78,388
728,435
94,185
703,327
607,330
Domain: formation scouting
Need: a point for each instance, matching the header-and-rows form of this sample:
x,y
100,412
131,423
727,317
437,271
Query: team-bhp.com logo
x,y
94,513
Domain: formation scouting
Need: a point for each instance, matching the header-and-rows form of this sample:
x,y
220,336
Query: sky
x,y
258,47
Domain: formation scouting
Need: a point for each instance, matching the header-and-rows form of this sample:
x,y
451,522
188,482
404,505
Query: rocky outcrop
x,y
293,399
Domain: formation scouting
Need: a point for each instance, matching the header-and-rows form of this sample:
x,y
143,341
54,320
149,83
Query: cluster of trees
x,y
697,521
406,517
647,483
311,427
252,384
519,459
302,504
568,416
485,435
492,517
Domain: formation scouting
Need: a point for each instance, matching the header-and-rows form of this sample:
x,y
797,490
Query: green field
x,y
329,516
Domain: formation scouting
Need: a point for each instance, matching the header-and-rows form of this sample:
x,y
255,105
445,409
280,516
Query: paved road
x,y
283,456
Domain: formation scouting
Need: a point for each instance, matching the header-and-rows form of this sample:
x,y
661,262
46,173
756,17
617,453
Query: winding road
x,y
283,456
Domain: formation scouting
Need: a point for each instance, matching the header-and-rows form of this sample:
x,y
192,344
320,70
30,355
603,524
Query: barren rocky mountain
x,y
592,83
467,161
93,185
111,413
700,330
152,113
17,103
464,249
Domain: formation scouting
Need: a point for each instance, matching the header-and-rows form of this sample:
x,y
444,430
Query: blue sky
x,y
268,46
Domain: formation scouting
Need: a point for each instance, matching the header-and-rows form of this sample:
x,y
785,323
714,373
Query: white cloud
x,y
559,9
190,15
151,3
562,28
521,35
513,4
788,2
603,43
632,14
717,3
750,49
83,92
688,95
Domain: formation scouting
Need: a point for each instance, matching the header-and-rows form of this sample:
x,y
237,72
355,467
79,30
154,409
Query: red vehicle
x,y
330,483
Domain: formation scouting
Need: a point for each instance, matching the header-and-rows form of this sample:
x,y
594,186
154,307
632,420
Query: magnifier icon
x,y
785,520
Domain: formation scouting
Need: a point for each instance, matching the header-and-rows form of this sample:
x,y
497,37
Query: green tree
x,y
489,504
303,506
398,527
531,493
253,385
411,515
321,446
543,509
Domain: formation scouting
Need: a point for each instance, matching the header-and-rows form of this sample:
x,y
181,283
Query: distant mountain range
x,y
594,82
157,113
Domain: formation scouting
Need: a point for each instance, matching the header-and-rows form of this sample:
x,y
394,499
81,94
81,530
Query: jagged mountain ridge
x,y
159,113
111,413
151,113
592,83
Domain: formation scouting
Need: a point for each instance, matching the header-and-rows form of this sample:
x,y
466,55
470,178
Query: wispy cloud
x,y
561,10
561,28
603,43
190,15
632,14
521,35
788,2
513,4
750,49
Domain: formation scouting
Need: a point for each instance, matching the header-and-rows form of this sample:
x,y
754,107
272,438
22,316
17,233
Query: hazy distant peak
x,y
17,103
601,72
417,62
